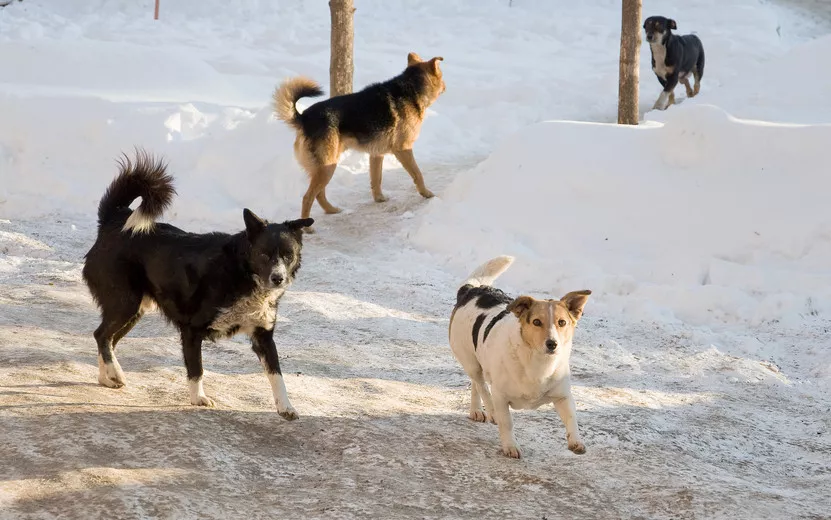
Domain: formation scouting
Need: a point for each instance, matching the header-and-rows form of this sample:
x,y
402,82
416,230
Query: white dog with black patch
x,y
520,347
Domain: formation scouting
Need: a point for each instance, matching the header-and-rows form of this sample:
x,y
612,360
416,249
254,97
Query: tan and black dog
x,y
382,118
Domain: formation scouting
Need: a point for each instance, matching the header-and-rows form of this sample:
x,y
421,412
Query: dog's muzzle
x,y
551,345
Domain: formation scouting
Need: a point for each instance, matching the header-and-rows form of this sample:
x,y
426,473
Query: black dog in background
x,y
674,58
208,285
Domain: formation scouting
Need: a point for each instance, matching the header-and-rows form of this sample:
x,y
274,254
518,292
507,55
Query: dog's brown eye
x,y
561,323
538,323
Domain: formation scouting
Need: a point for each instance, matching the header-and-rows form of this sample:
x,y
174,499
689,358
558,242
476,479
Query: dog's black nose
x,y
276,279
551,344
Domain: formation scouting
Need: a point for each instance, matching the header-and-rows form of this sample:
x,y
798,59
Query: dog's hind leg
x,y
262,341
325,204
376,171
116,322
688,88
192,350
698,72
407,160
320,177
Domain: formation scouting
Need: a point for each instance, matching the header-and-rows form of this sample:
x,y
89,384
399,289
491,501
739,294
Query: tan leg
x,y
325,204
319,179
407,160
672,98
687,86
376,165
697,82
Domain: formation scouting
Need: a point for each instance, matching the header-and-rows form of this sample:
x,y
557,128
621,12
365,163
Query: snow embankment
x,y
704,218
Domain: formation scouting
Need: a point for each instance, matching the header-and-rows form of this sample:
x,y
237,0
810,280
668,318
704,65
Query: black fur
x,y
684,53
487,297
476,326
493,322
364,114
191,277
153,185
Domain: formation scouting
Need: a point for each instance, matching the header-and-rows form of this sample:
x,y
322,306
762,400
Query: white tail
x,y
486,273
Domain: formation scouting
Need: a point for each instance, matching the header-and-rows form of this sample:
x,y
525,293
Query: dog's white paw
x,y
577,447
289,414
110,375
478,416
202,400
512,451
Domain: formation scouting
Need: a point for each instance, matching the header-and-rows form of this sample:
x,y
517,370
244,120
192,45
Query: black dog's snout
x,y
551,344
276,279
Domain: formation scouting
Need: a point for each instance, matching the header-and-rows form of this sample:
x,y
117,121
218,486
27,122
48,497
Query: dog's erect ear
x,y
413,59
575,301
520,305
672,25
299,224
254,225
434,64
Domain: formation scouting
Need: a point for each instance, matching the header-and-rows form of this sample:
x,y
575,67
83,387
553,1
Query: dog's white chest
x,y
659,54
259,309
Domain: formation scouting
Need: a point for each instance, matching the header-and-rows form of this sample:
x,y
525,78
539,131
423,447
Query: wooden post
x,y
630,47
341,64
156,13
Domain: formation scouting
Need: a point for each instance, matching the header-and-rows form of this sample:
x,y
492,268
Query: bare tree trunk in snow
x,y
630,46
341,65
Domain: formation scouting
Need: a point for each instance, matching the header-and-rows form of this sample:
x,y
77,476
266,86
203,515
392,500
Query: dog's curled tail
x,y
287,94
146,177
486,273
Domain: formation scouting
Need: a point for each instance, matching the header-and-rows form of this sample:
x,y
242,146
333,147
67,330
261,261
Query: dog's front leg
x,y
568,413
502,414
407,160
262,341
667,95
192,350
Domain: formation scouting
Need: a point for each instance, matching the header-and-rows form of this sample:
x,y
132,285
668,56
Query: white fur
x,y
519,376
259,309
281,397
138,222
486,273
197,394
110,374
663,101
659,54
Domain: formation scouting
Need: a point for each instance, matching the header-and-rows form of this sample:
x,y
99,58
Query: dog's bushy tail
x,y
488,272
287,94
146,177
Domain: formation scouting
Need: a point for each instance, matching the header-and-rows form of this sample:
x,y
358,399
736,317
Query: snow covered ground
x,y
701,369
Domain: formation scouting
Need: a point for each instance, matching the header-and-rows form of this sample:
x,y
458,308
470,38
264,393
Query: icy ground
x,y
681,418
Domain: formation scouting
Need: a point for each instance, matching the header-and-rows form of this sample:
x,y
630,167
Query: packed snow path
x,y
673,427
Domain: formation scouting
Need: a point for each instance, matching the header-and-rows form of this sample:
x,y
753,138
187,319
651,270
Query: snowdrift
x,y
705,218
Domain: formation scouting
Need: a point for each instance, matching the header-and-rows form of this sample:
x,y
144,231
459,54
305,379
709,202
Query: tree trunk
x,y
630,46
156,11
341,66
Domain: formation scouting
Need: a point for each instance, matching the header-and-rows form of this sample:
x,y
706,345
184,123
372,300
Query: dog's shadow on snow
x,y
84,463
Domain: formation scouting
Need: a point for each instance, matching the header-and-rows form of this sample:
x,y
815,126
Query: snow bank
x,y
705,218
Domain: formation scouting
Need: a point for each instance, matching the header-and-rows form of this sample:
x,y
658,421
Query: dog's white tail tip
x,y
488,272
138,222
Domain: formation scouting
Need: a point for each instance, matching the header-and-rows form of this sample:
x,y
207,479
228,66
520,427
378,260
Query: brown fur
x,y
537,318
318,154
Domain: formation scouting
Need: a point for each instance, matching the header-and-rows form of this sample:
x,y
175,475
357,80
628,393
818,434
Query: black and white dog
x,y
209,285
674,58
